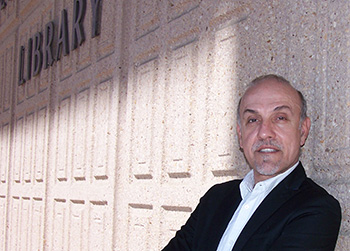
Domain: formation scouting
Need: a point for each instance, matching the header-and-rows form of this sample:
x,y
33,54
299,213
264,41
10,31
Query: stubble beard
x,y
267,167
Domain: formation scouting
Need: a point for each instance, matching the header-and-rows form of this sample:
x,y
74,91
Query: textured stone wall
x,y
112,146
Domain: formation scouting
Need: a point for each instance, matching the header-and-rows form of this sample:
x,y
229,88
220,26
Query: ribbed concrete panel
x,y
5,150
3,202
6,76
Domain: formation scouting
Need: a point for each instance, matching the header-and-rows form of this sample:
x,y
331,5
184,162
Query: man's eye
x,y
252,120
281,118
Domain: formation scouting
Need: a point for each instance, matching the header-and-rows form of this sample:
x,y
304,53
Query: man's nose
x,y
266,130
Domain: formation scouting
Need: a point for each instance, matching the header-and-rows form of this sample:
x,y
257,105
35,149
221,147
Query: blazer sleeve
x,y
207,222
184,238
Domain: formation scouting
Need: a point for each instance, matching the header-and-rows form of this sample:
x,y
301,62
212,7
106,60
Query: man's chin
x,y
267,169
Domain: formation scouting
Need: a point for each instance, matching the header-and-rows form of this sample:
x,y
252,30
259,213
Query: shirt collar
x,y
266,186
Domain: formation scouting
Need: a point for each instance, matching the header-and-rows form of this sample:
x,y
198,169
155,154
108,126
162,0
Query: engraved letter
x,y
3,4
29,59
96,17
21,79
78,36
49,31
38,55
63,36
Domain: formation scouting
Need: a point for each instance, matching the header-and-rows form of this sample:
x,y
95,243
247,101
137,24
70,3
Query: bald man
x,y
275,206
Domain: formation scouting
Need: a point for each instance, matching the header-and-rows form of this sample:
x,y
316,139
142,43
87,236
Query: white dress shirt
x,y
252,196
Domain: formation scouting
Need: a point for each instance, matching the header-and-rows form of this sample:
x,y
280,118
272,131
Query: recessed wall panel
x,y
37,223
177,8
63,140
100,235
7,84
100,133
148,17
178,106
172,218
139,227
81,140
5,140
18,160
41,144
28,147
60,225
78,228
25,220
3,228
142,121
109,27
14,229
221,105
2,78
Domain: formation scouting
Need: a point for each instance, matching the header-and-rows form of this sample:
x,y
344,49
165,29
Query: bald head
x,y
275,79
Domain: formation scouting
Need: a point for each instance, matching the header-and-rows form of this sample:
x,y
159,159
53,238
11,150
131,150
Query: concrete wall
x,y
111,147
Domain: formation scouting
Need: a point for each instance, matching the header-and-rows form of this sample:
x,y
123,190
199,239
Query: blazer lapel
x,y
277,197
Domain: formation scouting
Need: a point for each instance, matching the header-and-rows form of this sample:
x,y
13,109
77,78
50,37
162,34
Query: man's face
x,y
270,132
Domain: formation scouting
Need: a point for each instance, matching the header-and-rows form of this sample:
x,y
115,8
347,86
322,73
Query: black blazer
x,y
296,215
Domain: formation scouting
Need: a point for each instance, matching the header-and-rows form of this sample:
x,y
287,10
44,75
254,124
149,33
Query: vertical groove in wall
x,y
122,51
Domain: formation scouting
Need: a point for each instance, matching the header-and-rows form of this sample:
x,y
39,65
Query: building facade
x,y
116,116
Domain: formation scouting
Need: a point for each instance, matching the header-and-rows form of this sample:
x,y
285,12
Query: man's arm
x,y
208,221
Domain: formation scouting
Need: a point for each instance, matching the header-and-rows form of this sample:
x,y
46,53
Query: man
x,y
275,207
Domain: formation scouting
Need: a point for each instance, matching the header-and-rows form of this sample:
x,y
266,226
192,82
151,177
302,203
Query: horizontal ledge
x,y
80,178
180,175
141,206
224,173
101,177
78,201
177,209
60,200
99,202
143,176
224,155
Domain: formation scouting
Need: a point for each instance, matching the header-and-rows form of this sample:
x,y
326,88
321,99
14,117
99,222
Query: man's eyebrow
x,y
278,108
249,111
282,107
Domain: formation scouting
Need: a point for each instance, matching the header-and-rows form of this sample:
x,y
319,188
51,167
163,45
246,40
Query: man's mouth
x,y
266,147
267,150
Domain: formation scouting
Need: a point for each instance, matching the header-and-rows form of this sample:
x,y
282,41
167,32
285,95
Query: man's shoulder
x,y
316,191
312,196
306,186
223,189
226,185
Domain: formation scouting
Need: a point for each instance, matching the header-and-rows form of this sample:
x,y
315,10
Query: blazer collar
x,y
278,196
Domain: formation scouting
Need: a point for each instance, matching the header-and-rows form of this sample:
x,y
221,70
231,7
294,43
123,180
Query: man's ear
x,y
239,135
305,129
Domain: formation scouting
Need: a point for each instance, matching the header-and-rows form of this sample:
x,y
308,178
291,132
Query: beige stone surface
x,y
111,147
